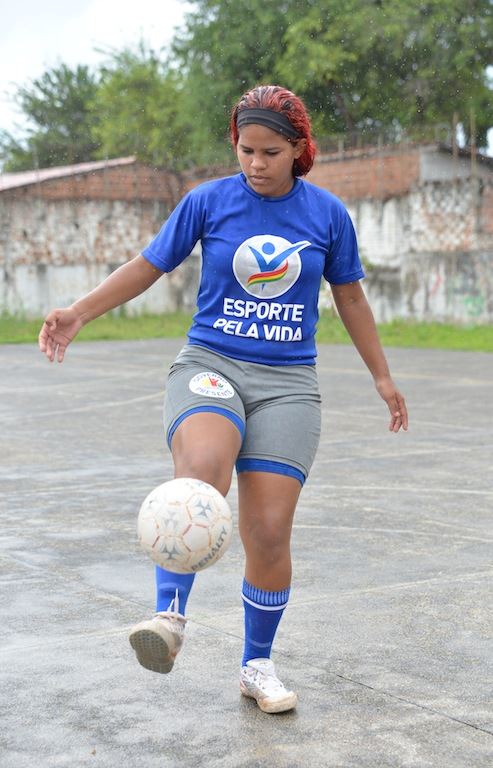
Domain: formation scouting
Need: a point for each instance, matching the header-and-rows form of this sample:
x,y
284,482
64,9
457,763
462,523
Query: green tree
x,y
225,48
401,63
60,121
139,108
391,65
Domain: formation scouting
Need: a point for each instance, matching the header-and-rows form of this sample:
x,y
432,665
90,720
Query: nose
x,y
258,162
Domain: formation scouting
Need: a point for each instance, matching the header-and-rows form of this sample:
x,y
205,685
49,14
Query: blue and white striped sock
x,y
263,611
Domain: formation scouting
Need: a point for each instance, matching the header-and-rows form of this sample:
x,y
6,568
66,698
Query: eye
x,y
272,152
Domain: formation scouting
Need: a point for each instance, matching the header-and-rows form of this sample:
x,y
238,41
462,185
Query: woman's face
x,y
266,158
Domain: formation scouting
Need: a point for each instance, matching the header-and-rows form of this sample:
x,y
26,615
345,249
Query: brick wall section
x,y
130,182
197,176
361,176
356,176
372,173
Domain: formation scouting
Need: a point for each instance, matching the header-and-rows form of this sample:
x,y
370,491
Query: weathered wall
x,y
128,181
367,175
53,251
429,254
424,222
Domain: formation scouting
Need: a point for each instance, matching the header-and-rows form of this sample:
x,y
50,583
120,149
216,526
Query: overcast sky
x,y
36,35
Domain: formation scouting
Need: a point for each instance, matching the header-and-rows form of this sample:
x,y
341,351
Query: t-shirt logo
x,y
267,266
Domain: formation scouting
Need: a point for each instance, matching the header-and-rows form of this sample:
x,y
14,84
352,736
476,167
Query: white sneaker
x,y
158,641
258,680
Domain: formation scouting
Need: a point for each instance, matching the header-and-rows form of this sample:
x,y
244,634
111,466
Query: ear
x,y
299,148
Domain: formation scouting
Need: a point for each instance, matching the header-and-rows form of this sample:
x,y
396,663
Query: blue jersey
x,y
263,259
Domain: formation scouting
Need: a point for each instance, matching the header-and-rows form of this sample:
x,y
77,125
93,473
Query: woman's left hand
x,y
396,403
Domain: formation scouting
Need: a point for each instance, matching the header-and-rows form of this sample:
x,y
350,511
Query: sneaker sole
x,y
270,706
152,651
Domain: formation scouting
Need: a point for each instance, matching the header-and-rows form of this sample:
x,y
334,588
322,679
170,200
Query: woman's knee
x,y
266,535
267,503
205,446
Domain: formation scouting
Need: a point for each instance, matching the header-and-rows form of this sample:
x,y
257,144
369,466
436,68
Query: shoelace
x,y
173,611
268,683
174,606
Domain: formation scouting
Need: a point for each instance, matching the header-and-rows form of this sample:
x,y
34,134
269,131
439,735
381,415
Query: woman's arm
x,y
122,285
125,283
357,317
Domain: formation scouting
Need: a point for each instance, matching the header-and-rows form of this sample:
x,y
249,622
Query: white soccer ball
x,y
185,525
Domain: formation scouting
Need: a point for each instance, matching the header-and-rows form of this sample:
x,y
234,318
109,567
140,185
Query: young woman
x,y
243,391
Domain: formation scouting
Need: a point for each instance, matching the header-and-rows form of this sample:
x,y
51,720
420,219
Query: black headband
x,y
276,121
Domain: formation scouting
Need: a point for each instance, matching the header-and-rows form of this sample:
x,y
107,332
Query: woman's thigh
x,y
204,419
282,436
205,446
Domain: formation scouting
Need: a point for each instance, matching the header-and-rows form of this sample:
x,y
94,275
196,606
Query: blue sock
x,y
166,585
263,611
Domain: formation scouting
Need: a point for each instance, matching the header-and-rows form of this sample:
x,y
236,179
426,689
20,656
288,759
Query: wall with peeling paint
x,y
429,254
53,252
424,221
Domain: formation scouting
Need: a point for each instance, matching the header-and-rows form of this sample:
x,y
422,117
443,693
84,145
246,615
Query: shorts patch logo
x,y
267,266
211,385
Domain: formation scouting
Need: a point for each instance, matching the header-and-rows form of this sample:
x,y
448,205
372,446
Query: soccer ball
x,y
185,525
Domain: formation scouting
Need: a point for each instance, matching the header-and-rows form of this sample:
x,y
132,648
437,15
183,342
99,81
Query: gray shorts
x,y
275,408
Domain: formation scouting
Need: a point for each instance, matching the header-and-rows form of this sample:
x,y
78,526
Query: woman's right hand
x,y
57,331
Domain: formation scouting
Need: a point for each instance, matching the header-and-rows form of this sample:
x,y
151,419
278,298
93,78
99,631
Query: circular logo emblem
x,y
267,266
211,385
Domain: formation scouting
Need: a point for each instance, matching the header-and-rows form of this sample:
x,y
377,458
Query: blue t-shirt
x,y
262,263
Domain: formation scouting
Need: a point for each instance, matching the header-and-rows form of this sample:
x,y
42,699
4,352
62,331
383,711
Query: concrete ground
x,y
388,634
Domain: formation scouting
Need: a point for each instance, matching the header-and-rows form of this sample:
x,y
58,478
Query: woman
x,y
243,391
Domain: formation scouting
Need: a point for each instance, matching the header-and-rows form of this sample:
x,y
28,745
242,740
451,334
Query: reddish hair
x,y
280,100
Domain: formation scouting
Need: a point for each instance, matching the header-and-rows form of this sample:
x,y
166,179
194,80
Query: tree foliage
x,y
393,62
58,106
225,48
139,105
360,65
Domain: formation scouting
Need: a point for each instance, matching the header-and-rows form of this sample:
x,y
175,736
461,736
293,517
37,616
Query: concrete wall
x,y
424,222
56,250
429,254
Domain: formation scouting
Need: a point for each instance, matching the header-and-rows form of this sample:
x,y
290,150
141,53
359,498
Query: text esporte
x,y
273,312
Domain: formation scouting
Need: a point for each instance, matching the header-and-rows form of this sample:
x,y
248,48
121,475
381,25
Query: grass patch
x,y
399,333
110,327
404,333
